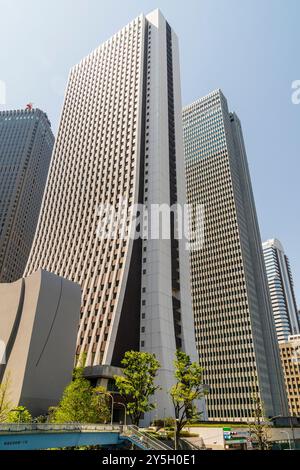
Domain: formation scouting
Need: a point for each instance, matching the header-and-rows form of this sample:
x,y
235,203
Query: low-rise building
x,y
290,358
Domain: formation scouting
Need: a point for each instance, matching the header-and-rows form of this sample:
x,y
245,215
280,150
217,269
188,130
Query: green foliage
x,y
137,383
187,389
170,435
188,434
259,428
158,423
101,405
20,414
5,404
40,419
169,422
164,423
81,402
213,424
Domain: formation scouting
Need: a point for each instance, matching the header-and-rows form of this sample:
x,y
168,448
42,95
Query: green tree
x,y
5,403
187,389
101,404
81,402
40,419
137,383
259,428
20,414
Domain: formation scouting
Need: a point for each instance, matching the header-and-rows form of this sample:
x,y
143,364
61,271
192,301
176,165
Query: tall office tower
x,y
235,331
120,143
26,143
281,287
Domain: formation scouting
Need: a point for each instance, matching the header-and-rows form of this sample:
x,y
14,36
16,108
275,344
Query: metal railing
x,y
193,446
133,433
144,439
53,427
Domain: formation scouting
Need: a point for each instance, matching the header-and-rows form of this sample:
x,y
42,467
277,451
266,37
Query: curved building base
x,y
39,317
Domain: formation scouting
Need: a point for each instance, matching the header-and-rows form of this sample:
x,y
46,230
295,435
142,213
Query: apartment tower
x,y
120,144
281,287
26,143
235,331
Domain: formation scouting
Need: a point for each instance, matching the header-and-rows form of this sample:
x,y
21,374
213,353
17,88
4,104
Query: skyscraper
x,y
281,287
26,143
235,331
120,143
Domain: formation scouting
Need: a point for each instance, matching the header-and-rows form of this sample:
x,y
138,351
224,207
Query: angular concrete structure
x,y
38,323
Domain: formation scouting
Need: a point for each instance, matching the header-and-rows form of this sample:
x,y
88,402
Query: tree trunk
x,y
135,420
177,437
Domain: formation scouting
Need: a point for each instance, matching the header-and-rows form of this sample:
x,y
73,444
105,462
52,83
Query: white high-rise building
x,y
281,288
120,140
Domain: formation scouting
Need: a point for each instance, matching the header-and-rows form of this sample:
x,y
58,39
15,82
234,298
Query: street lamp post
x,y
125,411
288,436
112,407
290,418
292,429
112,404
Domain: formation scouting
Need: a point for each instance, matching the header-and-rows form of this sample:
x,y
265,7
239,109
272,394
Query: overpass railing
x,y
143,439
53,427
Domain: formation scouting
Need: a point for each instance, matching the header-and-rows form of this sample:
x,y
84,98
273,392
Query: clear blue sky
x,y
248,48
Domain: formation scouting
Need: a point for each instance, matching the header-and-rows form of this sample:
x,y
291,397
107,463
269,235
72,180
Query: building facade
x,y
290,358
235,331
120,144
281,287
26,143
38,324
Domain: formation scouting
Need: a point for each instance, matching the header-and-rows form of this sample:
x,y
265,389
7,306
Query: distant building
x,y
38,323
235,330
26,143
281,287
290,358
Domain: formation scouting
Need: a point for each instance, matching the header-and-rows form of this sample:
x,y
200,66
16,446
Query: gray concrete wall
x,y
40,357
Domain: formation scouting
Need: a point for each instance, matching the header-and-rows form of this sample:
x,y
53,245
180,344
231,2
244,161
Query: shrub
x,y
19,415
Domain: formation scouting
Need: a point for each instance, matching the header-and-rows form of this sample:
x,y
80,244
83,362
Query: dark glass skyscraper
x,y
26,143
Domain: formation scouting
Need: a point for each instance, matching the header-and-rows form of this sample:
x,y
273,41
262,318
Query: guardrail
x,y
194,446
132,432
47,427
144,438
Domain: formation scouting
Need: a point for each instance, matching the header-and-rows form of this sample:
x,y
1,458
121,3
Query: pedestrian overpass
x,y
19,436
